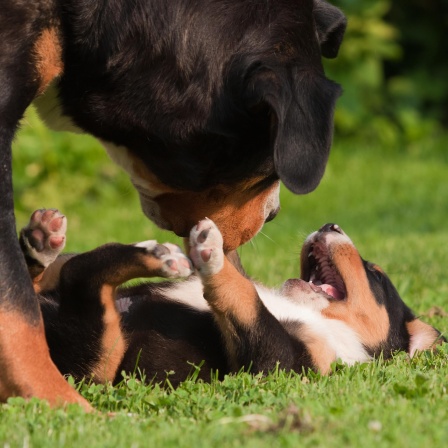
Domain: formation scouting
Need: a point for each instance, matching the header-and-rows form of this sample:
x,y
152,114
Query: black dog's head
x,y
206,104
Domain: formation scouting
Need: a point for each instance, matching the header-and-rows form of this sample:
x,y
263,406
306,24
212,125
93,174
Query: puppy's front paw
x,y
44,236
173,262
206,247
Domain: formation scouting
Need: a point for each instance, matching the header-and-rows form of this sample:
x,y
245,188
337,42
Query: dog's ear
x,y
422,336
301,124
330,25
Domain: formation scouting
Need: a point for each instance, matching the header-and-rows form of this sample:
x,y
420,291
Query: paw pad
x,y
206,247
44,236
174,263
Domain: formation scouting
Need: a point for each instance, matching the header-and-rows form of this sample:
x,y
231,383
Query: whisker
x,y
267,236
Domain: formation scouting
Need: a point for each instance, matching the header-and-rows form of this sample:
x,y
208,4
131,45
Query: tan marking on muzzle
x,y
238,211
359,310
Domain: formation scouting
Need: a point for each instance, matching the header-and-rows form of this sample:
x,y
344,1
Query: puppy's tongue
x,y
331,291
296,286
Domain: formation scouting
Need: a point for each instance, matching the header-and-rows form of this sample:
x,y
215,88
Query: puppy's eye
x,y
378,275
375,271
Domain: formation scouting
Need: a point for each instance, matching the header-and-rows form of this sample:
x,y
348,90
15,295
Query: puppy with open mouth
x,y
341,308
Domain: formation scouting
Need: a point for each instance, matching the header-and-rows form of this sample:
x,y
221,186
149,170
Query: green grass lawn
x,y
391,202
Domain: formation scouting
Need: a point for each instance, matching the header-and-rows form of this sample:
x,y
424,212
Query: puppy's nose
x,y
330,227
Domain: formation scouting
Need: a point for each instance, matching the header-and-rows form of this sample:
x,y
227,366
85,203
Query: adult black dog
x,y
206,104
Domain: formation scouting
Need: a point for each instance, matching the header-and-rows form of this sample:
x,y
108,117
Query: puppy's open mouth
x,y
320,272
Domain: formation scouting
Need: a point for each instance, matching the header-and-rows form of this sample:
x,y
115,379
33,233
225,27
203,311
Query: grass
x,y
391,202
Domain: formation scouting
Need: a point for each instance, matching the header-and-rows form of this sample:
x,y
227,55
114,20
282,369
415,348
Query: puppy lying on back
x,y
341,307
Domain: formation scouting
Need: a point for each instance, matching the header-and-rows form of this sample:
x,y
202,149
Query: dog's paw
x,y
44,236
206,247
174,263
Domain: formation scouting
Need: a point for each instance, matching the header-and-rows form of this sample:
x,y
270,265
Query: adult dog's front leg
x,y
25,69
253,337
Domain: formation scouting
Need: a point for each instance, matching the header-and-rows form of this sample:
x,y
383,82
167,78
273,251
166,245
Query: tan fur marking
x,y
49,278
144,266
26,368
237,211
228,292
321,354
48,58
423,336
37,282
113,344
378,268
360,310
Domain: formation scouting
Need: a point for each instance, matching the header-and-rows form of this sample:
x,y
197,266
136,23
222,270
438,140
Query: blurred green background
x,y
385,184
393,66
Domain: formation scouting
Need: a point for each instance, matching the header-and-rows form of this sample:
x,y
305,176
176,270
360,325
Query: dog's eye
x,y
375,271
379,276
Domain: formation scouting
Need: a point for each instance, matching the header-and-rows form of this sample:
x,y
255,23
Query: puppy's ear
x,y
422,336
301,125
330,25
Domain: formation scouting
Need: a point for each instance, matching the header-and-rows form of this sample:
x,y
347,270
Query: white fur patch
x,y
188,292
123,304
273,201
339,336
149,245
46,257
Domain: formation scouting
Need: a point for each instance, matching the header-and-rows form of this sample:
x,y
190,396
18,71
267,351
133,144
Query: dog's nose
x,y
330,227
272,214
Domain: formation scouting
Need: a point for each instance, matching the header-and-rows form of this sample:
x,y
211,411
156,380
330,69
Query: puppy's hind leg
x,y
89,340
42,241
